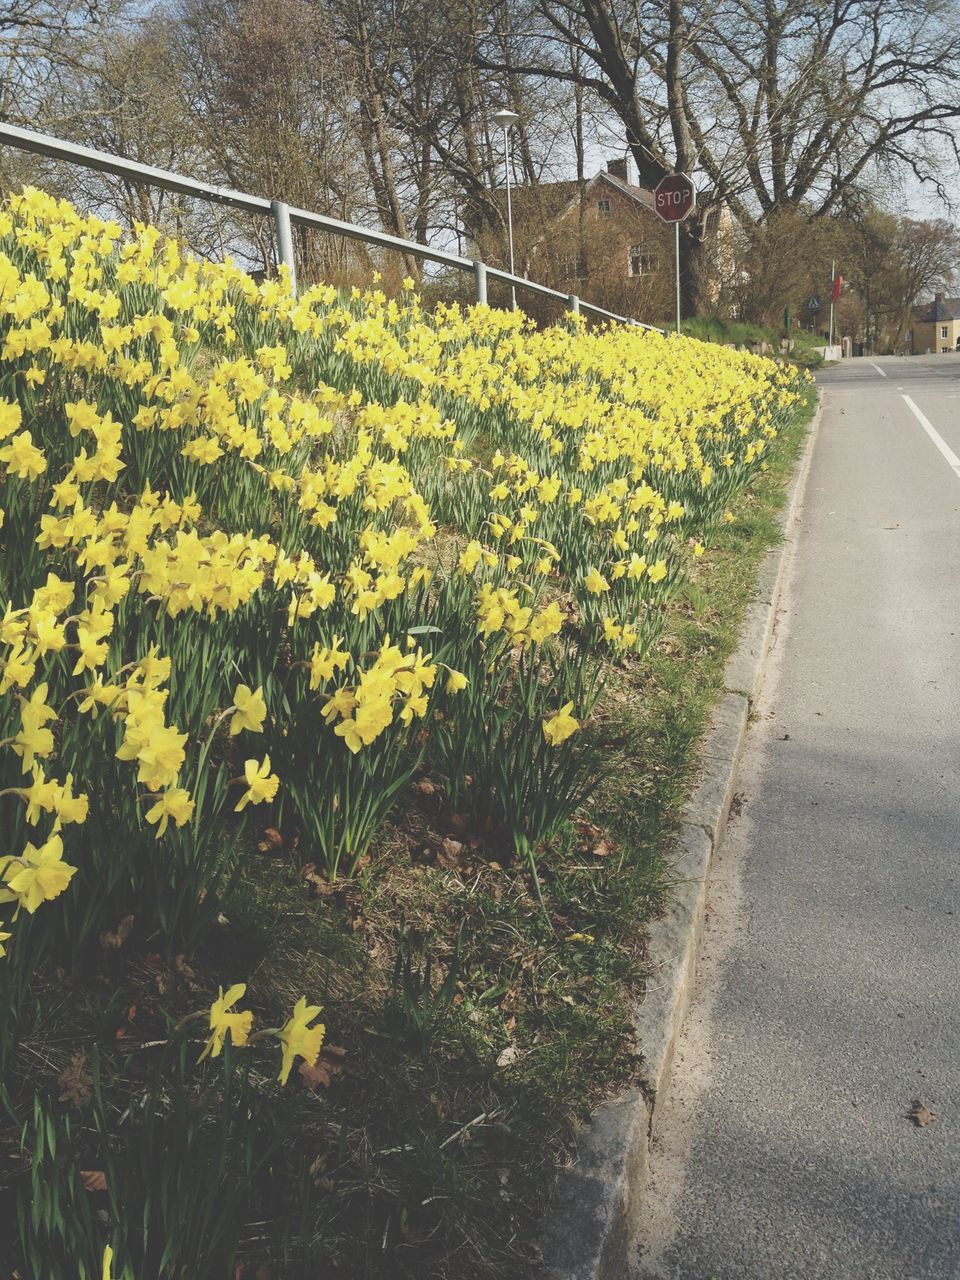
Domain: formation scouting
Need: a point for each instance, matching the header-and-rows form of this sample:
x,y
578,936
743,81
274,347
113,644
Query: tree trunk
x,y
580,270
696,282
376,145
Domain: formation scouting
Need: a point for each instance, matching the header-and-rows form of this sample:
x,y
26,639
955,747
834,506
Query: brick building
x,y
602,242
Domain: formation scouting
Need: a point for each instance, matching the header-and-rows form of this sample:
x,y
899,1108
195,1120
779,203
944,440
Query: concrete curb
x,y
593,1220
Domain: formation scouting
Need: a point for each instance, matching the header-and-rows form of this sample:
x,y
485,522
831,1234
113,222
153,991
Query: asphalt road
x,y
828,997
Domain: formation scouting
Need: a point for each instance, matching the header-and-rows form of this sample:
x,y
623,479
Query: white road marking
x,y
879,370
934,435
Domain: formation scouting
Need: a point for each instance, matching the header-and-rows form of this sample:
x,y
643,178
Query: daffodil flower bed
x,y
266,557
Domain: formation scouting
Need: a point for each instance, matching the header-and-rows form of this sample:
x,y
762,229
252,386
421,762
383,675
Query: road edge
x,y
595,1213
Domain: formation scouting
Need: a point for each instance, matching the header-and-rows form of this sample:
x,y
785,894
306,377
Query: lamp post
x,y
505,120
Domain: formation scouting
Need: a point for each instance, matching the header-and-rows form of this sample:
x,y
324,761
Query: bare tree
x,y
273,113
40,40
126,99
425,110
44,46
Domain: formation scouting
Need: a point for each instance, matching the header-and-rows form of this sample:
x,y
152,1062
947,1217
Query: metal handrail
x,y
284,216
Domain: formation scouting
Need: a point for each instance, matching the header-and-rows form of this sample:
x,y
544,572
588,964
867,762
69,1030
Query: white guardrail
x,y
284,217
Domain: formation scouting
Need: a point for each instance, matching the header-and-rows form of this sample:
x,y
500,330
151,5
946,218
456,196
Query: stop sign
x,y
674,197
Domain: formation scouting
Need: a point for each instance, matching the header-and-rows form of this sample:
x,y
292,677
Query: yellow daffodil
x,y
299,1039
22,457
596,583
37,875
325,662
558,727
222,1021
160,755
251,710
69,808
323,507
262,785
175,803
41,796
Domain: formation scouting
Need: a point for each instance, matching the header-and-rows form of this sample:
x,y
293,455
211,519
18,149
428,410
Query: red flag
x,y
837,286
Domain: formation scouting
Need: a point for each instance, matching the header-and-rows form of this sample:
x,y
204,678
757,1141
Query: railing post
x,y
480,277
281,222
574,303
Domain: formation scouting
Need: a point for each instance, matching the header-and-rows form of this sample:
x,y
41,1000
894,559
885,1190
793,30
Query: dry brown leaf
x,y
508,1056
451,855
425,787
93,1179
315,883
921,1114
315,1077
272,841
328,1067
184,970
603,848
113,940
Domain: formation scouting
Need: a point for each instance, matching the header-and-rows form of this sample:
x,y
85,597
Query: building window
x,y
943,331
641,263
603,208
944,348
574,266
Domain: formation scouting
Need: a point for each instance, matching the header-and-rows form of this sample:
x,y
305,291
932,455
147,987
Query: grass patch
x,y
708,329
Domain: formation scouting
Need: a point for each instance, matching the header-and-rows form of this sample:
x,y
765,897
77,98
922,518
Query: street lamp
x,y
505,120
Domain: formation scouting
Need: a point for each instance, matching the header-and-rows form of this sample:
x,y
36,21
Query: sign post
x,y
676,259
836,284
674,198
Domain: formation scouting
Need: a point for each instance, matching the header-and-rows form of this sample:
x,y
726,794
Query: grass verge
x,y
803,352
